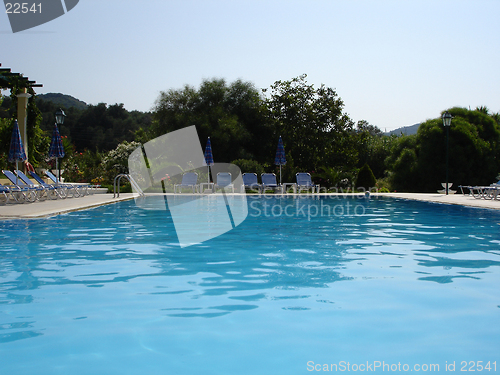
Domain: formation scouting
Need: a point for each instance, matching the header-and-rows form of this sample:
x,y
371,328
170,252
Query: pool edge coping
x,y
42,212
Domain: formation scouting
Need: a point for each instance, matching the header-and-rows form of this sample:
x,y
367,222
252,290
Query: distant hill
x,y
406,130
63,100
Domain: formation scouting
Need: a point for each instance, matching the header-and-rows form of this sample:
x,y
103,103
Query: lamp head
x,y
60,115
447,118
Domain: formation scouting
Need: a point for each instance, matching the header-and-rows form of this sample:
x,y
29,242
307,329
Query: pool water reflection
x,y
110,291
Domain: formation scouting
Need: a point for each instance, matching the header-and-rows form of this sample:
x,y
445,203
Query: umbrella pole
x,y
208,173
17,168
280,174
57,169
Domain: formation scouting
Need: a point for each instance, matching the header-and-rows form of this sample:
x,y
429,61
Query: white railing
x,y
135,186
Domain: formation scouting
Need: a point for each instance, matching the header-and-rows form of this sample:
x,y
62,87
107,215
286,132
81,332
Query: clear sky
x,y
393,62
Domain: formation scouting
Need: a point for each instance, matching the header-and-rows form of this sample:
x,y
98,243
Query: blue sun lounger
x,y
78,190
31,193
59,191
250,182
12,193
63,189
224,181
51,190
304,182
189,180
269,182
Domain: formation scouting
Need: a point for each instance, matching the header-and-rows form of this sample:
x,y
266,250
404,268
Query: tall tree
x,y
474,153
315,131
232,115
96,127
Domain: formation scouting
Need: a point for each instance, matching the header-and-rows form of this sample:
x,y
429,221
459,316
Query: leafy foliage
x,y
116,161
365,178
314,129
373,147
97,127
418,163
232,115
249,166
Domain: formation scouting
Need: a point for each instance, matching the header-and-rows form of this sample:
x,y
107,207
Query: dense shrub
x,y
366,178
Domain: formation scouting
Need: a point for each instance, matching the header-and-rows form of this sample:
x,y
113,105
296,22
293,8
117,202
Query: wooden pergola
x,y
9,80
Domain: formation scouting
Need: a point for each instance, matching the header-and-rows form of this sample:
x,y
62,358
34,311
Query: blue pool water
x,y
110,291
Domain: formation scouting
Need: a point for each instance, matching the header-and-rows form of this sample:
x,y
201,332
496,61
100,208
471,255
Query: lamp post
x,y
59,115
447,123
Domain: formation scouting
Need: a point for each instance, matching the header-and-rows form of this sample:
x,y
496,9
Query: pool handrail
x,y
116,193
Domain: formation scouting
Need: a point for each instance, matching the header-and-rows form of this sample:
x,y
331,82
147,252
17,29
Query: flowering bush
x,y
97,181
80,166
116,161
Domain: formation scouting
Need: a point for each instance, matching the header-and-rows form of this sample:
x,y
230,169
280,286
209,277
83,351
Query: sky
x,y
394,63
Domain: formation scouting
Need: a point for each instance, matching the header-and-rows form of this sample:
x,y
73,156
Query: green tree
x,y
373,147
402,162
419,163
232,115
95,127
310,120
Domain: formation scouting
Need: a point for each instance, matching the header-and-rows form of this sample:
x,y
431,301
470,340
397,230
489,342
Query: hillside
x,y
63,100
406,130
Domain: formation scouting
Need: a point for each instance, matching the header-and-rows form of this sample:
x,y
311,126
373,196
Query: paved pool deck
x,y
60,206
51,207
459,199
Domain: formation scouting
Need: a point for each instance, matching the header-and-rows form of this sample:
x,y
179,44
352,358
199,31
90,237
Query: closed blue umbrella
x,y
56,149
16,151
280,155
209,159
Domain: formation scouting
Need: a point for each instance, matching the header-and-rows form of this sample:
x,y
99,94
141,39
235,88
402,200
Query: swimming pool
x,y
109,291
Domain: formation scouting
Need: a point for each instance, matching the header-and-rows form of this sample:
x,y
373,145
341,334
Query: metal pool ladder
x,y
116,193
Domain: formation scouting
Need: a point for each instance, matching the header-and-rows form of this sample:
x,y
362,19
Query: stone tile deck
x,y
51,207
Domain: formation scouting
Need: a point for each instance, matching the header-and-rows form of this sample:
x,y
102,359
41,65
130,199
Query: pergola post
x,y
22,106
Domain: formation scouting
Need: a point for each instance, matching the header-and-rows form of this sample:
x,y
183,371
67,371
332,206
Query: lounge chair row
x,y
24,190
190,180
304,182
250,181
483,192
